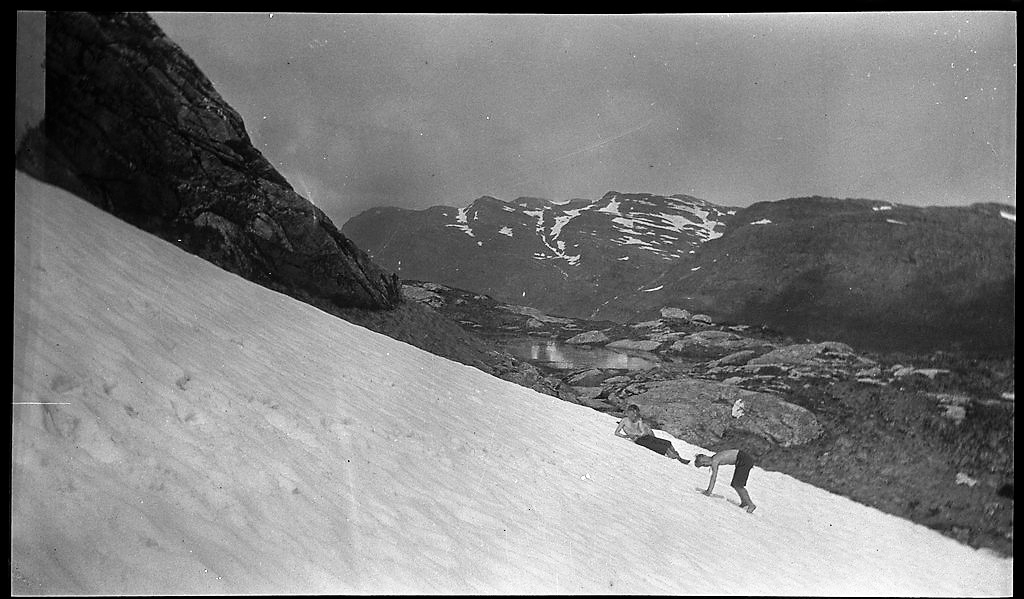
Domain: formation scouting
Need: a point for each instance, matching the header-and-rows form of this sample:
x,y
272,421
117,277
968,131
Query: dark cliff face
x,y
133,126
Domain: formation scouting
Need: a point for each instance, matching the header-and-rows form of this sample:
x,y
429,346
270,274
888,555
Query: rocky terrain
x,y
871,273
927,437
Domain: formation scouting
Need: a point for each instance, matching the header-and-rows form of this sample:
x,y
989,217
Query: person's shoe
x,y
683,461
751,508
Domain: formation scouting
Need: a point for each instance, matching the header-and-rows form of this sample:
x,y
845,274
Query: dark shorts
x,y
653,443
744,462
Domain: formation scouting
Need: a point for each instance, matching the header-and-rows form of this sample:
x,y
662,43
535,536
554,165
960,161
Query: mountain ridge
x,y
781,263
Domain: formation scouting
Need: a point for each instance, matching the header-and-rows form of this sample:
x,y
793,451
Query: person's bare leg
x,y
672,453
745,501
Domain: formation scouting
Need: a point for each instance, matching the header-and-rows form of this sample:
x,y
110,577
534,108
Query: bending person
x,y
744,462
633,427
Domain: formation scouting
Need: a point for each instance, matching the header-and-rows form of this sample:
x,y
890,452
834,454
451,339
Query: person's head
x,y
633,411
701,460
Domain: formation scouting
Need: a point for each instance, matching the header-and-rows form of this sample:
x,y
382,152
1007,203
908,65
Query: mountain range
x,y
881,275
569,258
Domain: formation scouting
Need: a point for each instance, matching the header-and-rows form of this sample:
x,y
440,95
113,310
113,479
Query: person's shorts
x,y
744,462
662,446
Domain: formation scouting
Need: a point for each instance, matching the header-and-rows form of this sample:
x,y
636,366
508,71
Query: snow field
x,y
177,429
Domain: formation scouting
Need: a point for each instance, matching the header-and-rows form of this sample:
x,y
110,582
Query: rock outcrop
x,y
716,344
676,314
588,338
736,359
590,377
645,345
133,126
422,295
706,410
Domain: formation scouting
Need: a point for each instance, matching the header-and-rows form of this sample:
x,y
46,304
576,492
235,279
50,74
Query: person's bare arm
x,y
645,429
714,476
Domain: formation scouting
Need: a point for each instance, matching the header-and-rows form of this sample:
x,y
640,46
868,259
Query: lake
x,y
563,356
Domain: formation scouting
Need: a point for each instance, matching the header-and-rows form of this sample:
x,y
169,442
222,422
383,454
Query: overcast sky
x,y
419,110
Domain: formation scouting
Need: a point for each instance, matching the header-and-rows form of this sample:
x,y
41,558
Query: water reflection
x,y
574,357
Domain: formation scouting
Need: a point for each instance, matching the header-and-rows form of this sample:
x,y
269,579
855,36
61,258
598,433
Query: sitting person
x,y
634,428
744,462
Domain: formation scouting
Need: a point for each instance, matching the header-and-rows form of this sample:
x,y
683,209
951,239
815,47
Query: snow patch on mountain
x,y
562,220
462,222
612,207
658,230
667,227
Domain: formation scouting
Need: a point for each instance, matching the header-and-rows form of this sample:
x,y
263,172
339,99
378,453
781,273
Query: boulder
x,y
527,375
701,412
676,314
133,126
649,324
953,405
422,295
590,337
586,393
930,372
635,345
962,478
826,353
592,377
663,337
587,396
715,344
702,319
872,373
534,313
735,359
900,371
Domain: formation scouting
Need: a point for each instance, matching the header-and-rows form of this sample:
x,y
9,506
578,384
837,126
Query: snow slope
x,y
177,429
